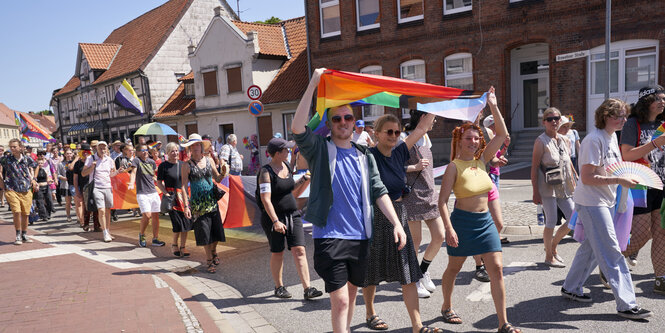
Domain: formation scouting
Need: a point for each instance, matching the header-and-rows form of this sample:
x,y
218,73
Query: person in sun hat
x,y
115,149
201,205
565,128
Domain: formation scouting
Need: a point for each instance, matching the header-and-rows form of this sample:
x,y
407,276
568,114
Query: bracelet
x,y
275,221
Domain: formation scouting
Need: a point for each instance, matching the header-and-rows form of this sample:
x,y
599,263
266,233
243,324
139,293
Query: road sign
x,y
254,92
255,108
572,55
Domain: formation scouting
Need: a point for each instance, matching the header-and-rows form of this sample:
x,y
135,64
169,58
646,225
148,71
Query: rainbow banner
x,y
30,129
240,209
338,88
123,197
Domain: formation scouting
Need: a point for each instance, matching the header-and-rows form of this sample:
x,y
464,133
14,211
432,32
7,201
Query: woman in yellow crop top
x,y
470,229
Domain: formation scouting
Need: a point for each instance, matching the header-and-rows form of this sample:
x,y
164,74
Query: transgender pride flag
x,y
126,98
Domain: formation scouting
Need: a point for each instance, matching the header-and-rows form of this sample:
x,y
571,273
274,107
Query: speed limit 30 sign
x,y
254,92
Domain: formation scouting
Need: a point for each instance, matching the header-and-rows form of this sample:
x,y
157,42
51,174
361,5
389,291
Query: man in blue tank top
x,y
344,187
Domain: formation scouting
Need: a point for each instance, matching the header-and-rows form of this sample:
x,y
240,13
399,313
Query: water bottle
x,y
539,214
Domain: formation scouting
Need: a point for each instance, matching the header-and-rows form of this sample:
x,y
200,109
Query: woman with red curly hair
x,y
469,228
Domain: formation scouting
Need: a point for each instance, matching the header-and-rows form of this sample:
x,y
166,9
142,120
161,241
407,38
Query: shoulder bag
x,y
168,200
88,197
554,175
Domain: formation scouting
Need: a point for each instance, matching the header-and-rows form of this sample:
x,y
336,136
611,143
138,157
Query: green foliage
x,y
271,20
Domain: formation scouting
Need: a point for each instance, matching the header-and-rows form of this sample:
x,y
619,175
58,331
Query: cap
x,y
85,146
488,121
94,143
360,123
72,145
99,143
646,91
277,144
277,135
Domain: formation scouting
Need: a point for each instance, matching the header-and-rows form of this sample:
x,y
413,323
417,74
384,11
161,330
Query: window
x,y
456,6
330,22
458,71
234,79
371,112
172,138
410,10
191,129
367,12
287,119
189,89
413,70
265,129
633,65
210,83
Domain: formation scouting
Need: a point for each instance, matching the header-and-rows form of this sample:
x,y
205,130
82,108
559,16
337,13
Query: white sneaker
x,y
422,292
107,236
426,281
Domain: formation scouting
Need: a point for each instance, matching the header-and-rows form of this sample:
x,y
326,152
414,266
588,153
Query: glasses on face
x,y
551,119
619,117
347,117
143,150
390,132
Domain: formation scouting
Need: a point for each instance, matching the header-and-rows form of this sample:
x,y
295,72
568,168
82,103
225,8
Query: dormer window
x,y
189,89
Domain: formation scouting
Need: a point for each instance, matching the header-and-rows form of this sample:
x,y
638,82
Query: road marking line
x,y
32,254
484,293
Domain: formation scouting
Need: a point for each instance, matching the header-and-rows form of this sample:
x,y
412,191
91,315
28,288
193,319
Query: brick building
x,y
511,44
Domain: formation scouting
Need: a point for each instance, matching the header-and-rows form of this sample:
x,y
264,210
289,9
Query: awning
x,y
85,128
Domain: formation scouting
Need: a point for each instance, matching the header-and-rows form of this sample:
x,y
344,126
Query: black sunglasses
x,y
550,119
391,132
347,117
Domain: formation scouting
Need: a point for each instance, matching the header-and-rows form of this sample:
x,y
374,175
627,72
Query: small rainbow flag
x,y
181,139
153,145
30,129
659,131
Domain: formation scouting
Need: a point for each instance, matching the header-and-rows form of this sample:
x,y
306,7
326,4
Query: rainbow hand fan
x,y
659,131
643,174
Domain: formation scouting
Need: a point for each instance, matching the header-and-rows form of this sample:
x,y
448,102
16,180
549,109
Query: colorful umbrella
x,y
155,129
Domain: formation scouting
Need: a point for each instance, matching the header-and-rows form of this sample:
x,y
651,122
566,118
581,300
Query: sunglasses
x,y
551,119
391,132
143,150
347,117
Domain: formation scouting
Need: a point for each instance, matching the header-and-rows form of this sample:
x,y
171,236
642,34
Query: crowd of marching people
x,y
369,190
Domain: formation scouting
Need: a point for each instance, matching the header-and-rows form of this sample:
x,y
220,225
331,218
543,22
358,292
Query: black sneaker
x,y
312,292
481,274
281,292
635,313
603,280
578,298
25,238
157,242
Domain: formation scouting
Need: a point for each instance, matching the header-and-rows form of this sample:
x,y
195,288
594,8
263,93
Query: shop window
x,y
367,13
459,71
456,6
330,21
409,10
371,112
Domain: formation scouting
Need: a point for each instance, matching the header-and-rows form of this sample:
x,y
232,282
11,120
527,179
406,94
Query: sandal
x,y
183,253
509,328
450,317
215,259
376,323
211,266
426,329
175,250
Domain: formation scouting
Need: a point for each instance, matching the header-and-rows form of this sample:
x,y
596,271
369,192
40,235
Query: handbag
x,y
168,200
88,197
554,175
217,192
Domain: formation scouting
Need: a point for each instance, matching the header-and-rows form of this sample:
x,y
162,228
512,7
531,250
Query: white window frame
x,y
366,70
414,62
326,5
464,75
456,10
408,19
369,26
621,47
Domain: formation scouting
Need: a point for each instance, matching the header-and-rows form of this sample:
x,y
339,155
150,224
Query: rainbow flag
x,y
127,98
30,129
338,88
153,145
181,139
123,198
659,131
238,207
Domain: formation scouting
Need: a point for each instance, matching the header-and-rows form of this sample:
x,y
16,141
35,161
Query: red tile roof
x,y
177,104
189,76
291,81
70,86
140,38
271,38
7,116
99,56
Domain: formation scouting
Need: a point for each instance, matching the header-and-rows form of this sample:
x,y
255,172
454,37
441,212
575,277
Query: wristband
x,y
275,221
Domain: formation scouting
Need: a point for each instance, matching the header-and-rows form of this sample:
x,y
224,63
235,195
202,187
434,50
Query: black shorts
x,y
295,235
654,201
338,261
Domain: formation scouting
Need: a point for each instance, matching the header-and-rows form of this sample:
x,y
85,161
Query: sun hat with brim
x,y
195,138
116,142
565,120
94,143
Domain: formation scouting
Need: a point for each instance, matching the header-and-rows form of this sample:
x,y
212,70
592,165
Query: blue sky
x,y
39,39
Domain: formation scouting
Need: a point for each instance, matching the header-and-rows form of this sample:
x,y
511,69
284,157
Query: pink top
x,y
495,170
102,172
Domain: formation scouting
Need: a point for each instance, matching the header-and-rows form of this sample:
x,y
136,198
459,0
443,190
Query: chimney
x,y
190,49
218,11
251,35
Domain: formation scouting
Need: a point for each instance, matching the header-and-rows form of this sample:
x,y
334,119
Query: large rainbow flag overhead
x,y
338,88
30,129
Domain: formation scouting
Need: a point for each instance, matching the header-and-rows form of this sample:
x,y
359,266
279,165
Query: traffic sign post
x,y
255,108
254,92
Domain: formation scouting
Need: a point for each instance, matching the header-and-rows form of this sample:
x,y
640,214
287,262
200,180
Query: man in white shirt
x,y
360,136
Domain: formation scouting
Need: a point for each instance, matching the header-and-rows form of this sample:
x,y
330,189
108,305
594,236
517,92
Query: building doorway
x,y
530,85
225,130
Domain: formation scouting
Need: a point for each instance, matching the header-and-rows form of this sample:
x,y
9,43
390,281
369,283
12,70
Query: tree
x,y
271,20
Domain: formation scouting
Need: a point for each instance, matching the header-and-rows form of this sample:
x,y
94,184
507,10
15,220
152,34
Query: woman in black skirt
x,y
170,183
386,262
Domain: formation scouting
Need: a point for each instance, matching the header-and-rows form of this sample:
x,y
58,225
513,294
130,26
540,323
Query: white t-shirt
x,y
361,138
600,149
102,171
